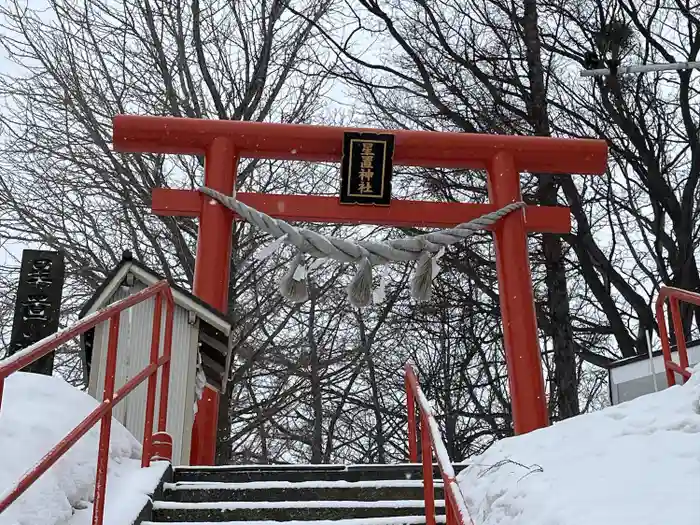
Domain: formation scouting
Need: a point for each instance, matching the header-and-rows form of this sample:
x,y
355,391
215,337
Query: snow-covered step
x,y
297,473
247,511
371,490
296,494
397,520
258,485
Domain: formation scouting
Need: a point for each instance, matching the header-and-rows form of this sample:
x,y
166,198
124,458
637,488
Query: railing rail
x,y
674,296
431,442
155,446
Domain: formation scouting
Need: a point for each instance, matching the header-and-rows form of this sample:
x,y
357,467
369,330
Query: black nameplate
x,y
365,171
38,304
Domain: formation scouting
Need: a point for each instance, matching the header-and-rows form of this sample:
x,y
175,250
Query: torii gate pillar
x,y
211,279
224,142
517,300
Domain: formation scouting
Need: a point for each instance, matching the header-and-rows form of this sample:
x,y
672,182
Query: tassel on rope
x,y
360,288
422,281
427,269
292,285
435,263
379,293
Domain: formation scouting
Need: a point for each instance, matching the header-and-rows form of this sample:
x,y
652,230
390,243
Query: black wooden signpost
x,y
38,304
365,171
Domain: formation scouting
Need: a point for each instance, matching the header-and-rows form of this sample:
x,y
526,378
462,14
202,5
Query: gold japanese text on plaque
x,y
366,168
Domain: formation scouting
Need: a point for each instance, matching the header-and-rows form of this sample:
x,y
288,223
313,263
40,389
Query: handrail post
x,y
449,511
2,387
152,379
456,511
680,334
412,433
104,411
165,371
428,487
674,296
162,445
663,335
106,423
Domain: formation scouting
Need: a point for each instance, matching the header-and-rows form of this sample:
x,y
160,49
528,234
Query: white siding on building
x,y
634,379
133,357
99,358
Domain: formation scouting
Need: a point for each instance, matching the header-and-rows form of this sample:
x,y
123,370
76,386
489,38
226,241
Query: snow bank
x,y
635,463
37,412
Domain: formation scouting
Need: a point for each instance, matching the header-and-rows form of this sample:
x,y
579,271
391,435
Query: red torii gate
x,y
224,142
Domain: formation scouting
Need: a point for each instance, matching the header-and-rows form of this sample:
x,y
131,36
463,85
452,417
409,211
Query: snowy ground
x,y
37,412
637,463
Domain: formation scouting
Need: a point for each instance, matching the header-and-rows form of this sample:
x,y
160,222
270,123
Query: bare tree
x,y
321,382
79,64
649,205
508,67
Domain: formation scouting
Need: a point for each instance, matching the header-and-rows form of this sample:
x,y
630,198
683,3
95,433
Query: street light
x,y
643,68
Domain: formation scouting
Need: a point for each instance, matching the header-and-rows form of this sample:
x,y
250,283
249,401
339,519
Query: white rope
x,y
423,248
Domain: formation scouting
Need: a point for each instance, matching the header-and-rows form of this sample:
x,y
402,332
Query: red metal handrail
x,y
431,441
674,296
155,446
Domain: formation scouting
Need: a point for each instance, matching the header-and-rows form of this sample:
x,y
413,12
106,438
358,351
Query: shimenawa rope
x,y
426,249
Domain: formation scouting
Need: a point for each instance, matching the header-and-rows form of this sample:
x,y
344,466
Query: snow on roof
x,y
37,412
634,463
148,276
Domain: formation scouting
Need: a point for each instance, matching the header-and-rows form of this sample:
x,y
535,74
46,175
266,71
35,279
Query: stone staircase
x,y
344,495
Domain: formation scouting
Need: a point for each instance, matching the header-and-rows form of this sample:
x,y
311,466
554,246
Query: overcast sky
x,y
8,251
11,252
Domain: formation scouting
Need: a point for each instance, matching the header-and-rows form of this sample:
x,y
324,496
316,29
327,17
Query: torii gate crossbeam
x,y
224,142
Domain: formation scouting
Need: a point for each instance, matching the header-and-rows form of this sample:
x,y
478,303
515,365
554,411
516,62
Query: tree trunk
x,y
316,387
223,430
565,379
378,420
